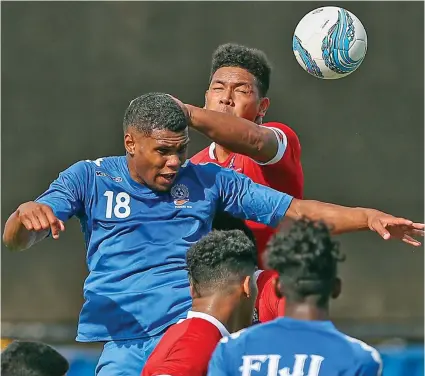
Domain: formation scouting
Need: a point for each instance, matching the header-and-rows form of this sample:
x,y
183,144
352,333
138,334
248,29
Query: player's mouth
x,y
167,178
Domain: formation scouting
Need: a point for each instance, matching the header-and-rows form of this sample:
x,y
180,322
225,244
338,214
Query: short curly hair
x,y
154,111
306,259
252,60
224,222
26,358
220,259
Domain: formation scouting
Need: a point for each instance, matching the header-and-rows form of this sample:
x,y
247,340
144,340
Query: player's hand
x,y
39,217
390,227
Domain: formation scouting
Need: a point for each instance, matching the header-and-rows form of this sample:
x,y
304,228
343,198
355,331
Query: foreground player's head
x,y
32,359
239,81
155,139
221,273
224,222
306,259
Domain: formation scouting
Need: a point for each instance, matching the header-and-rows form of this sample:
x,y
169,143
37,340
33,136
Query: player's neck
x,y
132,171
215,307
221,153
306,311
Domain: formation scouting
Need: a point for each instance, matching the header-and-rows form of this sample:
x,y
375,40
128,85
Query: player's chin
x,y
163,184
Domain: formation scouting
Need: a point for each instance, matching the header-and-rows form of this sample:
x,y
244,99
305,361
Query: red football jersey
x,y
283,173
186,347
268,306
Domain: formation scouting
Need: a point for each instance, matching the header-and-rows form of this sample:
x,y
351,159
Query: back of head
x,y
252,60
220,260
32,359
154,111
306,259
225,222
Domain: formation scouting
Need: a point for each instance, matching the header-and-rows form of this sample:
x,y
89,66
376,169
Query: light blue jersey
x,y
289,347
137,239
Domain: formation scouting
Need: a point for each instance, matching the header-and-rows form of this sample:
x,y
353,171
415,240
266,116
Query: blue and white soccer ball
x,y
330,42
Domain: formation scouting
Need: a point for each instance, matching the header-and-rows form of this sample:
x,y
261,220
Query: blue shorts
x,y
125,358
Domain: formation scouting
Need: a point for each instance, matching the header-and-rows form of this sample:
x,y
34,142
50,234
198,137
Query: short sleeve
x,y
243,198
66,195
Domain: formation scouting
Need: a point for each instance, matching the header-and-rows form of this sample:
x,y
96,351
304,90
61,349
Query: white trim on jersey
x,y
282,143
257,274
205,316
211,151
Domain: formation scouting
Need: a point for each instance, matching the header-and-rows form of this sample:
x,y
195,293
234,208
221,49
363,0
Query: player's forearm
x,y
235,134
17,238
341,219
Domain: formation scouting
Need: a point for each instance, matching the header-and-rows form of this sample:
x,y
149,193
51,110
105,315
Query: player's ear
x,y
264,106
247,288
277,287
129,143
336,291
192,291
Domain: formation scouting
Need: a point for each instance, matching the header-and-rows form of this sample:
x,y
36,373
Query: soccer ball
x,y
329,42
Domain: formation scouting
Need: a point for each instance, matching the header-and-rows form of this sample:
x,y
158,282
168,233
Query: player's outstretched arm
x,y
235,134
29,224
33,220
344,219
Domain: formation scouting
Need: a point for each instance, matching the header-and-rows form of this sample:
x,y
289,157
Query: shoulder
x,y
201,156
366,356
280,126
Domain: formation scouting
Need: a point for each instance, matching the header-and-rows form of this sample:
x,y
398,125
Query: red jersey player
x,y
268,153
223,284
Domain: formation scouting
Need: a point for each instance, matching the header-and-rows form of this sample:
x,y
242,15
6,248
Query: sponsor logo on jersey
x,y
117,179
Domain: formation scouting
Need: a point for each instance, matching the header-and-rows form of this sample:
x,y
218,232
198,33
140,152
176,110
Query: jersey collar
x,y
201,315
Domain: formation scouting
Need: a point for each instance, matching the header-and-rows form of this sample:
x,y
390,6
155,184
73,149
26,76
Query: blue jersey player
x,y
304,342
139,214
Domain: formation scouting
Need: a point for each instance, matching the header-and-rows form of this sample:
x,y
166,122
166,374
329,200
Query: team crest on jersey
x,y
180,194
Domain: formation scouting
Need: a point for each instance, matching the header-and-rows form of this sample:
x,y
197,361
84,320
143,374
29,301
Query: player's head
x,y
306,259
155,139
221,270
224,222
239,81
32,359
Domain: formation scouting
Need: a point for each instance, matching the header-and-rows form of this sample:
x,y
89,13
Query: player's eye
x,y
243,91
162,151
182,149
218,88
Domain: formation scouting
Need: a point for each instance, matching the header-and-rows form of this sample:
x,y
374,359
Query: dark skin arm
x,y
344,219
29,224
235,134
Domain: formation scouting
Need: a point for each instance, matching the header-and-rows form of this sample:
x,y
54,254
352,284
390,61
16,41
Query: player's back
x,y
287,346
185,348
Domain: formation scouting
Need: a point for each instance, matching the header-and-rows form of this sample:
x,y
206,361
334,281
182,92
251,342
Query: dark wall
x,y
69,70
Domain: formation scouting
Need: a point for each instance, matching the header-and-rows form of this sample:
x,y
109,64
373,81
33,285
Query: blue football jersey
x,y
136,239
289,347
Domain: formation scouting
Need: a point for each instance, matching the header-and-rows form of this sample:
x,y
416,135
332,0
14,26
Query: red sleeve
x,y
268,305
200,157
289,148
191,354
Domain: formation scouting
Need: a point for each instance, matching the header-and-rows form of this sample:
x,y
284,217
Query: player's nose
x,y
174,162
226,98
